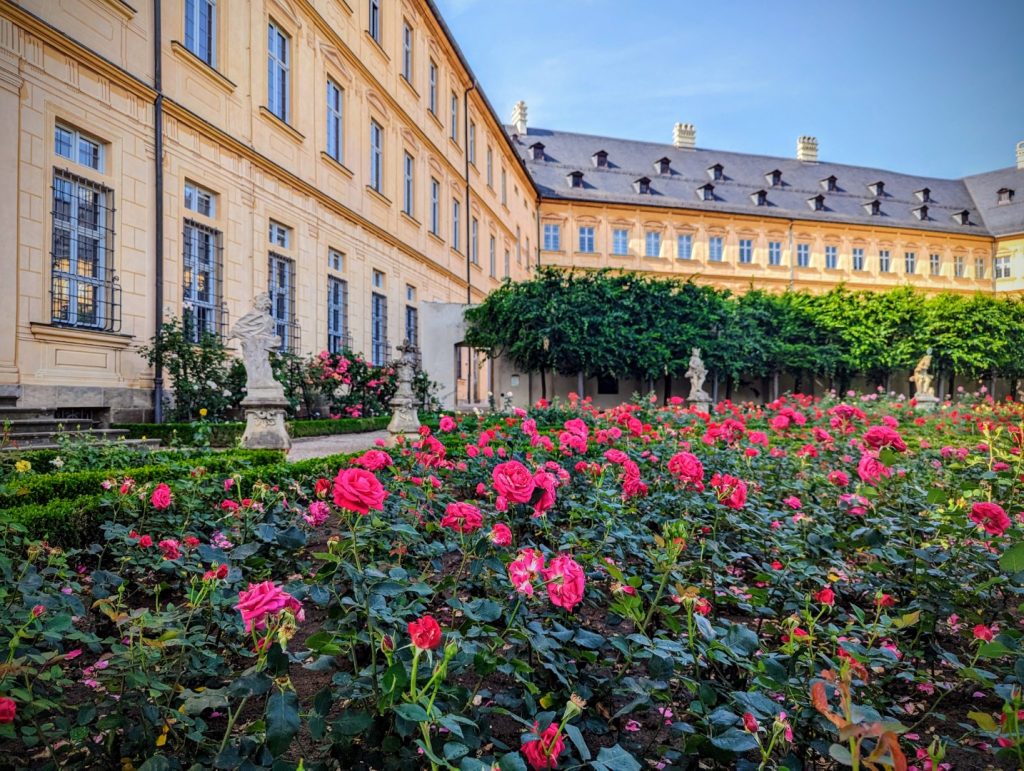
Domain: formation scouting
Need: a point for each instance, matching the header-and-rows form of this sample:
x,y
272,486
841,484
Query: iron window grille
x,y
379,347
337,315
281,287
202,268
412,325
84,291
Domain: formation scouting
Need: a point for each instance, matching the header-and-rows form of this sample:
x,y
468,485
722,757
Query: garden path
x,y
319,446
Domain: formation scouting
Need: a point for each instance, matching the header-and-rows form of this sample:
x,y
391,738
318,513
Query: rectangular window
x,y
490,167
200,200
374,26
684,246
552,237
803,255
432,88
435,206
337,314
277,71
378,329
652,243
620,241
958,266
83,292
471,143
377,280
201,29
774,252
858,258
407,184
407,52
979,267
201,283
456,230
335,260
884,261
746,251
412,325
455,117
831,257
909,262
376,156
73,145
508,263
280,235
1001,266
587,239
935,264
493,257
334,125
474,241
715,248
281,288
504,188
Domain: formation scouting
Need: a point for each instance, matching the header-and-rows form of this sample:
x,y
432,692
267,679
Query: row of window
x,y
716,252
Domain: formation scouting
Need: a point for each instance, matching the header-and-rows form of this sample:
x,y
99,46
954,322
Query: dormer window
x,y
706,192
643,185
575,179
600,159
921,212
537,149
663,165
874,208
962,217
924,195
877,189
817,203
715,172
760,198
1004,195
830,184
774,178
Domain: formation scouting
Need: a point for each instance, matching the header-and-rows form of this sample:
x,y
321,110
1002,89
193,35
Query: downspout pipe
x,y
471,358
158,210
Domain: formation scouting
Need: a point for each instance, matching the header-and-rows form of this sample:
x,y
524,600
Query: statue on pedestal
x,y
924,383
264,400
697,373
404,418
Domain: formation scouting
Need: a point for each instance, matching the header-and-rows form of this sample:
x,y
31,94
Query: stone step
x,y
153,443
35,439
21,426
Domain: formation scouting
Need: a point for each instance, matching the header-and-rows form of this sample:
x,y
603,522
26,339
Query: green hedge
x,y
45,488
228,434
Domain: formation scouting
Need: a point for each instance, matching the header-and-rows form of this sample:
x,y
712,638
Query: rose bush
x,y
805,584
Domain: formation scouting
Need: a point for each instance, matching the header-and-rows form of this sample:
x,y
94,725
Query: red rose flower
x,y
750,723
425,633
826,596
358,490
513,481
543,752
990,516
462,518
161,497
8,709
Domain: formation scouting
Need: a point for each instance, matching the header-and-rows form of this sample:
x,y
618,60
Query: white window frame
x,y
335,121
435,207
193,27
408,183
652,243
586,239
278,70
831,257
716,249
857,258
200,200
803,255
552,237
456,226
746,251
775,253
407,51
279,235
376,156
373,22
77,142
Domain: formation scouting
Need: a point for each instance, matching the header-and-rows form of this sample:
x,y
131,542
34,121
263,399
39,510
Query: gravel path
x,y
319,446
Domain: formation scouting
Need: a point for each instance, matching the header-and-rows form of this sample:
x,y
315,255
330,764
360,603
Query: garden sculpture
x,y
264,401
697,373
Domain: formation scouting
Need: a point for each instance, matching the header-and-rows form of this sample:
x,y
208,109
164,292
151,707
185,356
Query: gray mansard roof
x,y
743,175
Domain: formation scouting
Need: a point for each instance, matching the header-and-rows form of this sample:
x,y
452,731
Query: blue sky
x,y
933,88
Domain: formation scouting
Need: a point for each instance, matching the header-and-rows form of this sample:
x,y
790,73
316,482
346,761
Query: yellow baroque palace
x,y
175,158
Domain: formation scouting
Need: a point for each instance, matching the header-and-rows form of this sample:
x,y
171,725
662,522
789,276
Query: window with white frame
x,y
278,74
279,235
620,241
909,262
335,130
201,280
376,156
586,239
200,200
652,243
474,241
803,255
493,258
504,188
75,146
519,246
471,143
335,260
201,29
959,268
378,329
715,248
373,27
337,314
435,206
935,263
979,267
432,88
1001,266
884,261
746,251
456,229
831,257
490,167
455,117
412,325
407,52
684,246
281,288
858,258
552,237
775,253
408,166
508,263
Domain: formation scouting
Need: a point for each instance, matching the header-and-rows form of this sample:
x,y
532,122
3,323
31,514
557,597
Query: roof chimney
x,y
807,149
1020,155
684,136
519,118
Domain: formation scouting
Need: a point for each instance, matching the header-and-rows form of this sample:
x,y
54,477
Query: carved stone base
x,y
927,402
404,422
264,426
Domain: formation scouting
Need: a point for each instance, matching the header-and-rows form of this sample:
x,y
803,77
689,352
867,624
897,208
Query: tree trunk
x,y
543,385
580,384
668,388
952,384
775,386
714,389
728,387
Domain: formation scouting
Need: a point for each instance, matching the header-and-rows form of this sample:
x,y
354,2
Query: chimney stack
x,y
807,149
1020,155
519,118
684,136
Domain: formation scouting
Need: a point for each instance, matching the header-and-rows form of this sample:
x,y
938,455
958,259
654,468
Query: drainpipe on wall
x,y
158,211
469,234
792,258
537,234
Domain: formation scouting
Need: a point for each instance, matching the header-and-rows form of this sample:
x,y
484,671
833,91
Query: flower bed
x,y
804,585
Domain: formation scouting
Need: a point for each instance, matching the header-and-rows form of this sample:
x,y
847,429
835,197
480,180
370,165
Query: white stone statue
x,y
924,393
257,332
404,418
697,373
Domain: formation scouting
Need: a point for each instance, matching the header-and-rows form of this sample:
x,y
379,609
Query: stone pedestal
x,y
927,402
701,401
264,425
404,419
